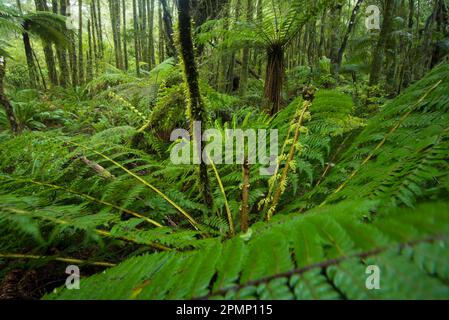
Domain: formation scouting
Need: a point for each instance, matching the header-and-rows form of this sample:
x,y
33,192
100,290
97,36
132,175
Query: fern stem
x,y
88,197
382,142
97,231
244,213
143,181
279,190
68,260
228,210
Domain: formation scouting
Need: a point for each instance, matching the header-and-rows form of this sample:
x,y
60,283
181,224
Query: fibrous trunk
x,y
274,78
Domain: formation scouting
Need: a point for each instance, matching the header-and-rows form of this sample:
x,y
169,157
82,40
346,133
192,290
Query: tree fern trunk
x,y
196,107
274,78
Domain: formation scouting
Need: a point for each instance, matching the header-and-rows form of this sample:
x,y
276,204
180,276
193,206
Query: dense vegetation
x,y
91,91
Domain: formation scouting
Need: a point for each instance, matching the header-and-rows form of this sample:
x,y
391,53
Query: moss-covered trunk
x,y
196,107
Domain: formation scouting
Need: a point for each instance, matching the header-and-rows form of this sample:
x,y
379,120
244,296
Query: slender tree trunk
x,y
41,5
161,35
28,53
80,44
143,31
15,127
335,37
125,45
196,106
60,51
114,7
90,59
152,61
231,85
168,25
379,52
95,57
30,60
246,52
136,37
100,28
244,210
346,37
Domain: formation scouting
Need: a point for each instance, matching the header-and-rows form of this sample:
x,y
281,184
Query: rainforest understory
x,y
92,91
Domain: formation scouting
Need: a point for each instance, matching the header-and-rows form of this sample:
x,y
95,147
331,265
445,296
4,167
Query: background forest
x,y
90,92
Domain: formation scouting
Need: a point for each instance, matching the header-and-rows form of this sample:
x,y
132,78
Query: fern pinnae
x,y
382,142
87,197
228,210
171,202
67,260
282,182
100,232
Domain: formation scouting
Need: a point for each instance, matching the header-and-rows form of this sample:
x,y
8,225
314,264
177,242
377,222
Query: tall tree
x,y
32,72
136,37
196,107
41,5
168,26
125,45
61,52
80,43
114,7
150,6
379,52
246,50
351,24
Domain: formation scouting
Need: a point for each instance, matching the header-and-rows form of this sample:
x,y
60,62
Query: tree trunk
x,y
136,37
274,78
246,52
346,37
125,45
168,24
114,7
15,127
80,44
151,61
335,37
90,61
41,5
61,52
244,210
196,106
28,53
143,31
161,54
100,28
379,52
